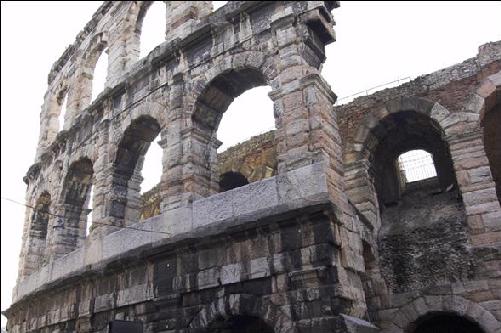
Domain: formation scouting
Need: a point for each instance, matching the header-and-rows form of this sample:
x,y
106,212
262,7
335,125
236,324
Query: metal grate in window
x,y
417,165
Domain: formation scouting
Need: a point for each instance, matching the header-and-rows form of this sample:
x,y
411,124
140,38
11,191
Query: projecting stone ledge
x,y
257,203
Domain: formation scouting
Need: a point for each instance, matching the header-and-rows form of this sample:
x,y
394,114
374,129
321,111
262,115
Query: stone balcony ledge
x,y
266,200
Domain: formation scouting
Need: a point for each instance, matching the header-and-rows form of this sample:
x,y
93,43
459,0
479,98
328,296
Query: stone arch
x,y
54,107
359,154
127,166
214,92
75,194
235,305
486,96
404,319
435,111
38,232
82,95
131,34
154,109
374,186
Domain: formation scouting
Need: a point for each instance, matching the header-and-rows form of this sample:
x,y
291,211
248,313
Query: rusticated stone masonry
x,y
309,228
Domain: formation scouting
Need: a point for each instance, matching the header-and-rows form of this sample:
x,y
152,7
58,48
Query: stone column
x,y
307,133
171,183
360,189
477,187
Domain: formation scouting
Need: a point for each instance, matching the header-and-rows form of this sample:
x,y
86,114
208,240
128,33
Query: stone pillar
x,y
477,187
171,183
307,130
361,191
111,212
307,133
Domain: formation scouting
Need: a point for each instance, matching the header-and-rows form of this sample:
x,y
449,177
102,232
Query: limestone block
x,y
256,197
230,273
216,208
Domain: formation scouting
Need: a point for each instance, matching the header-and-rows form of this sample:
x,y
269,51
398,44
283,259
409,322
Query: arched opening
x,y
231,180
251,115
240,324
76,198
127,178
423,236
444,322
151,27
62,104
492,144
400,133
38,228
99,74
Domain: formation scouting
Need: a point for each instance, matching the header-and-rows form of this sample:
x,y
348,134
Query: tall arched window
x,y
246,117
420,212
151,27
99,75
77,186
128,168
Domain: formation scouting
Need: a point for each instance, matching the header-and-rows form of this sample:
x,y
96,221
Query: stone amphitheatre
x,y
312,227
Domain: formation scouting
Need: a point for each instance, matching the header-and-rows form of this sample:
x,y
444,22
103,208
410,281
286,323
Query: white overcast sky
x,y
376,43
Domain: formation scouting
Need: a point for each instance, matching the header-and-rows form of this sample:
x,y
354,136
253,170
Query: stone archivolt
x,y
324,236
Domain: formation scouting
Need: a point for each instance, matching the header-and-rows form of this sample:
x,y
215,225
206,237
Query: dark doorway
x,y
240,324
446,323
231,180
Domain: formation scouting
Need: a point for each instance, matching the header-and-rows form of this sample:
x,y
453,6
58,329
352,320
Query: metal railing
x,y
367,92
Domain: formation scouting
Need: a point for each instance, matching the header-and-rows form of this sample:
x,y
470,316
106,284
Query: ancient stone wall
x,y
436,242
325,237
180,92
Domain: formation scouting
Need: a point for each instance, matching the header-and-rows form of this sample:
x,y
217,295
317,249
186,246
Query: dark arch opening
x,y
492,143
240,324
231,180
77,188
445,322
128,165
424,216
399,133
